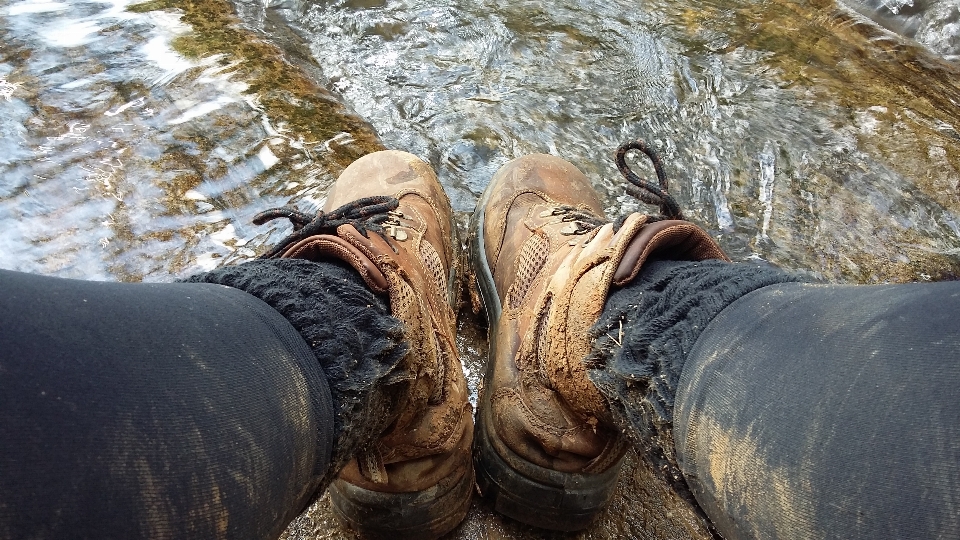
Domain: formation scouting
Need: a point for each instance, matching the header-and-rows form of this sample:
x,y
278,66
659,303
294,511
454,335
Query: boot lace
x,y
645,191
366,214
655,194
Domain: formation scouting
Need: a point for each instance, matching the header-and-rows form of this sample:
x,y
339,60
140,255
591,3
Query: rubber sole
x,y
427,514
518,488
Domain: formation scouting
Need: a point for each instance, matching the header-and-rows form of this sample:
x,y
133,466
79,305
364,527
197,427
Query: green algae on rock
x,y
888,185
139,141
309,113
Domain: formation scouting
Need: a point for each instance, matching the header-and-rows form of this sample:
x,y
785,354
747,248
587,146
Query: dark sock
x,y
357,342
644,334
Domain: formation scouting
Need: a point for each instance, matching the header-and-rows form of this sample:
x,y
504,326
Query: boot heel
x,y
427,514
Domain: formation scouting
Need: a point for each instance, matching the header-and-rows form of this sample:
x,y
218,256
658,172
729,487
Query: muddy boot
x,y
389,219
547,452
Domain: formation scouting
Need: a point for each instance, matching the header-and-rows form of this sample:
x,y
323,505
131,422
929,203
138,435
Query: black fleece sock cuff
x,y
350,330
645,332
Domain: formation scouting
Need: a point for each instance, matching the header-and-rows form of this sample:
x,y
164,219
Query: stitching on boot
x,y
542,333
370,463
438,386
500,225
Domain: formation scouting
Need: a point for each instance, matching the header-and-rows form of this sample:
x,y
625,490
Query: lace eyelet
x,y
396,233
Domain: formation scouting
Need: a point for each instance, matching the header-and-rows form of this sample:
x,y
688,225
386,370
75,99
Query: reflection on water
x,y
137,141
796,131
934,23
124,159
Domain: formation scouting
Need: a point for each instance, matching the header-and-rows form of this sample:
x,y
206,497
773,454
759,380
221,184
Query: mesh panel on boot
x,y
437,397
370,464
404,305
434,267
543,343
533,255
413,311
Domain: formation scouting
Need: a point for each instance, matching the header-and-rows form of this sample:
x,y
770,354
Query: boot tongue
x,y
672,239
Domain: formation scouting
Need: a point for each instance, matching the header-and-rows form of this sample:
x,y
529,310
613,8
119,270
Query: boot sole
x,y
518,488
428,514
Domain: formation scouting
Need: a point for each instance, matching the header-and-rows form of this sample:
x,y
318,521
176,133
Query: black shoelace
x,y
639,188
645,191
371,213
366,214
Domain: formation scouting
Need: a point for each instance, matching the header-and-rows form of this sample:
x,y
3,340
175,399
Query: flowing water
x,y
797,132
138,140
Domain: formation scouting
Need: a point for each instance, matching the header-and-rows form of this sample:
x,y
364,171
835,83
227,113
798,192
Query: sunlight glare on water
x,y
775,119
107,128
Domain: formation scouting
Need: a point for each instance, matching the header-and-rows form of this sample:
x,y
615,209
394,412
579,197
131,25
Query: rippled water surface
x,y
122,158
137,140
797,131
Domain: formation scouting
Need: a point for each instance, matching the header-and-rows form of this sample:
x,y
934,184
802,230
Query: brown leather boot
x,y
393,224
546,450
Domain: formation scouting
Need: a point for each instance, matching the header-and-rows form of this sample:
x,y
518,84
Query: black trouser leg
x,y
811,411
792,410
154,411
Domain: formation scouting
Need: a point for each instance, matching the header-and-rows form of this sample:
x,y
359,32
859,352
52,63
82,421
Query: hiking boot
x,y
392,223
546,450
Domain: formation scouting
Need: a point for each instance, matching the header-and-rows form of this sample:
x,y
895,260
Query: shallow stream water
x,y
138,140
796,131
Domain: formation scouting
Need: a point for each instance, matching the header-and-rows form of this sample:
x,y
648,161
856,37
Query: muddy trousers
x,y
813,411
154,411
197,411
